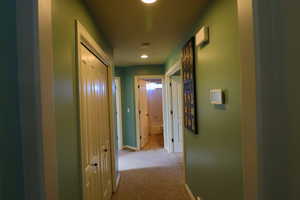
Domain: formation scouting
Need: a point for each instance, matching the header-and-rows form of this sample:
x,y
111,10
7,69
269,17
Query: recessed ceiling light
x,y
144,56
149,1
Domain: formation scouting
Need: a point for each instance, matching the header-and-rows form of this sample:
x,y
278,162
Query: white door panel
x,y
176,96
95,130
143,113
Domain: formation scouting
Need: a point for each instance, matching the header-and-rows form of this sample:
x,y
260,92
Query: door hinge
x,y
139,86
140,137
171,112
173,140
170,84
140,112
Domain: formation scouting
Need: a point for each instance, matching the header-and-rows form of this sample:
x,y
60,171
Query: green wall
x,y
68,145
127,86
291,51
214,156
11,174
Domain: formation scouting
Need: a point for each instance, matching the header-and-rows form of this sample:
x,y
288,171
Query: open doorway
x,y
149,112
151,170
174,109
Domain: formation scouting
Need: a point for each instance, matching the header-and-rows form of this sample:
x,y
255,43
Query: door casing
x,y
168,129
119,112
168,98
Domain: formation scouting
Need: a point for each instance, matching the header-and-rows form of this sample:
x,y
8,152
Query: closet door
x,y
95,133
103,121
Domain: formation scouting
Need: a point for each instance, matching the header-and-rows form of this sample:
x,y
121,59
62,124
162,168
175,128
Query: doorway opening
x,y
149,113
174,109
156,167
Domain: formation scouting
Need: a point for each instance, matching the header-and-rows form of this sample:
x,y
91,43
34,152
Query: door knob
x,y
94,164
105,150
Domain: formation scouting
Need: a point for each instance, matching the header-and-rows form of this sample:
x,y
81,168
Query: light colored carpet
x,y
151,175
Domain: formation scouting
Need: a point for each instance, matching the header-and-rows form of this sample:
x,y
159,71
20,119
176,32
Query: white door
x,y
95,137
119,112
143,113
177,116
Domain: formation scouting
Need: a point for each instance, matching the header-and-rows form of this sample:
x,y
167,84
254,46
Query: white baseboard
x,y
130,148
192,197
117,182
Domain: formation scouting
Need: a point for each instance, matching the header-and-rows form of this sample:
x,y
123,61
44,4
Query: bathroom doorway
x,y
149,113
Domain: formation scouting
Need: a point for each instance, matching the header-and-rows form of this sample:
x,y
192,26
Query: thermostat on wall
x,y
217,96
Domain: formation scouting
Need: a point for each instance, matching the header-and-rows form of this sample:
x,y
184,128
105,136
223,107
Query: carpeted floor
x,y
151,175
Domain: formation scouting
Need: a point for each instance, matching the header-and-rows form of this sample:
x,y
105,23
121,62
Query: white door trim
x,y
169,129
188,190
83,37
36,93
119,112
136,78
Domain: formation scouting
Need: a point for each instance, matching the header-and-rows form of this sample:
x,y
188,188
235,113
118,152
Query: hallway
x,y
97,96
151,175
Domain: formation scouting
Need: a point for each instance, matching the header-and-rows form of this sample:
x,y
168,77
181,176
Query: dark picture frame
x,y
189,86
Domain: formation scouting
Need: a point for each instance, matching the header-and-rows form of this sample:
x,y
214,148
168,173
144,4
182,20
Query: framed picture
x,y
189,86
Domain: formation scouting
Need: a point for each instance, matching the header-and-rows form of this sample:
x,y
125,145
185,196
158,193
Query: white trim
x,y
119,112
118,182
169,128
36,92
130,148
250,112
83,37
175,68
136,78
191,195
169,124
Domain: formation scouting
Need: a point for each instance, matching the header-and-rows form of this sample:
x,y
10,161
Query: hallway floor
x,y
155,142
151,175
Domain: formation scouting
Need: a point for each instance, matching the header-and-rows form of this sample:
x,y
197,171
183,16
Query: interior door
x,y
143,113
95,131
106,171
177,114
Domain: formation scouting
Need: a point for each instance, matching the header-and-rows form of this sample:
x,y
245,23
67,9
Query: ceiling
x,y
127,24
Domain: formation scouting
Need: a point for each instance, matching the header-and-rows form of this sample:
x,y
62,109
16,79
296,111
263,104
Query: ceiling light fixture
x,y
144,56
149,1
